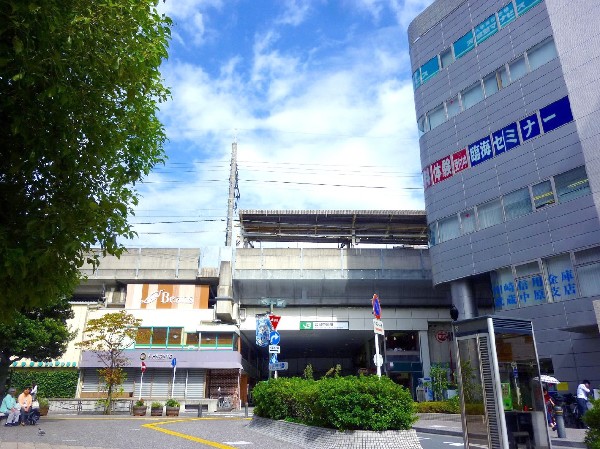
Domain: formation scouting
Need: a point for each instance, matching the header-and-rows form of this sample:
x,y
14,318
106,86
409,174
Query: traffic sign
x,y
143,367
274,349
274,321
279,366
274,338
378,359
378,327
376,306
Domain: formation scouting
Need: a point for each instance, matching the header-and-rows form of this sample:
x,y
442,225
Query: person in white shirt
x,y
583,390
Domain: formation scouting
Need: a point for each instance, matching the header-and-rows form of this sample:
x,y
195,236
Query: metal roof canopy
x,y
405,227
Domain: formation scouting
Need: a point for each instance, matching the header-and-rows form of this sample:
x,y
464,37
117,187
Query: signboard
x,y
378,327
274,349
429,69
263,330
530,127
279,366
505,139
442,336
426,177
460,161
464,44
376,306
441,170
273,358
274,338
525,5
323,325
486,29
143,367
506,15
274,321
556,114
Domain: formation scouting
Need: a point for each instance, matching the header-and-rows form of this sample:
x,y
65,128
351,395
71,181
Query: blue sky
x,y
318,95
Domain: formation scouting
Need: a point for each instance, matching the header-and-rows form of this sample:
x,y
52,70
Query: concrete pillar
x,y
464,299
424,347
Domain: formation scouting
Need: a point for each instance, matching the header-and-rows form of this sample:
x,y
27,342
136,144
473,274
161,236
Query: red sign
x,y
274,321
441,336
441,170
143,367
426,177
460,160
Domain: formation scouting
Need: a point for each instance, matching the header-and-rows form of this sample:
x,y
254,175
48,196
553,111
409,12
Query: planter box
x,y
172,411
156,411
140,410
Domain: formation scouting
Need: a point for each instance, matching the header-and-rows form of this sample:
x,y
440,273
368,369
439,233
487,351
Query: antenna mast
x,y
234,193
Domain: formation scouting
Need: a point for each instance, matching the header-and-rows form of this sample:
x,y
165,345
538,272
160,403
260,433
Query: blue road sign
x,y
274,338
279,366
273,358
556,114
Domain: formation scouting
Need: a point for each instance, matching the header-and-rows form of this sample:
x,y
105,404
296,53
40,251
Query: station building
x,y
507,105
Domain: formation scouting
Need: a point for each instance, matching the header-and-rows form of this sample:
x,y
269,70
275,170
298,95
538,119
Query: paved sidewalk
x,y
443,424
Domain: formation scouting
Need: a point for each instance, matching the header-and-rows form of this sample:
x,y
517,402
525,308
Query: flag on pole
x,y
174,364
143,367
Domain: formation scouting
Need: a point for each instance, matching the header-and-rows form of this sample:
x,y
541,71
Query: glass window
x,y
143,336
192,339
517,204
437,116
503,289
448,228
561,277
225,341
588,255
453,107
472,95
490,83
530,284
175,334
159,336
208,339
542,194
432,233
502,76
518,68
422,124
464,44
429,69
489,214
589,279
467,221
446,57
571,184
541,53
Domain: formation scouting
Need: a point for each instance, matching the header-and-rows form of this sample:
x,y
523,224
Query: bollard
x,y
199,410
560,421
246,409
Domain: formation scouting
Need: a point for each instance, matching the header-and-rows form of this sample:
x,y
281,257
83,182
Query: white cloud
x,y
295,11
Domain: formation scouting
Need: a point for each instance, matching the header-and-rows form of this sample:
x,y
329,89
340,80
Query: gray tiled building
x,y
507,105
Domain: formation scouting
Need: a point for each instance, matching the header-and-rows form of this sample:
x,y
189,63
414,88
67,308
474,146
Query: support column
x,y
463,298
424,347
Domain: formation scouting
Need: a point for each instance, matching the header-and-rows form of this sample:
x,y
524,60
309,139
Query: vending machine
x,y
502,405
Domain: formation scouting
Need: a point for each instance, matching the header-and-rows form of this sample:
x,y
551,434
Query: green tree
x,y
79,90
108,337
439,381
40,335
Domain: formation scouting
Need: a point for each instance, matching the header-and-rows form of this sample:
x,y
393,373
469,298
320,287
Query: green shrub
x,y
592,420
52,383
156,404
172,403
43,402
343,403
438,407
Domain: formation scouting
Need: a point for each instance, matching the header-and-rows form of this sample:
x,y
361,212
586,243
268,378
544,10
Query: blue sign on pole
x,y
505,139
263,329
556,114
274,338
273,358
530,127
480,151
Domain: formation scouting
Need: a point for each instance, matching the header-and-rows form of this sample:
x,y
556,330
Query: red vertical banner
x,y
441,170
460,161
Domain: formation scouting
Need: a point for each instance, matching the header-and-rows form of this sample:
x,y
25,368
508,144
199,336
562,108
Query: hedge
x,y
342,403
52,383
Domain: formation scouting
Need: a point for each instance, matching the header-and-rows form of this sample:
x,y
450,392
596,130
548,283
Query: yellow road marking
x,y
154,426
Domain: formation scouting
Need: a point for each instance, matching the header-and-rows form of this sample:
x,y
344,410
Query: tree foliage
x,y
40,335
79,90
108,337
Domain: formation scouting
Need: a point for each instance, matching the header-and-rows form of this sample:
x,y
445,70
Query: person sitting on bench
x,y
10,408
26,401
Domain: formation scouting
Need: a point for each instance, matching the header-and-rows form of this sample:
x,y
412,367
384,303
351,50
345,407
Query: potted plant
x,y
172,407
139,408
156,408
44,406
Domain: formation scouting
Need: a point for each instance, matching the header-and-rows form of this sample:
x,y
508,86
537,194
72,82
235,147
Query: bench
x,y
211,404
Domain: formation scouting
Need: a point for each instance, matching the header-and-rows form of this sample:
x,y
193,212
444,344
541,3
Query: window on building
x,y
561,277
208,340
571,184
192,339
448,228
502,76
489,214
503,289
432,234
490,83
447,57
467,221
225,340
453,106
472,95
541,54
423,125
517,203
143,336
159,336
402,341
530,284
518,68
542,194
437,116
464,44
588,271
175,336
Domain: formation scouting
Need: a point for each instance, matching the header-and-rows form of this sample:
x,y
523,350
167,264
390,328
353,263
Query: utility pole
x,y
234,193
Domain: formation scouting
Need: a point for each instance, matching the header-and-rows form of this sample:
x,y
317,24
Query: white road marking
x,y
237,443
451,443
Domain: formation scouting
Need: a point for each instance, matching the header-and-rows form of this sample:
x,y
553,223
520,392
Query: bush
x,y
43,402
438,407
139,403
52,383
172,403
592,420
156,404
343,403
